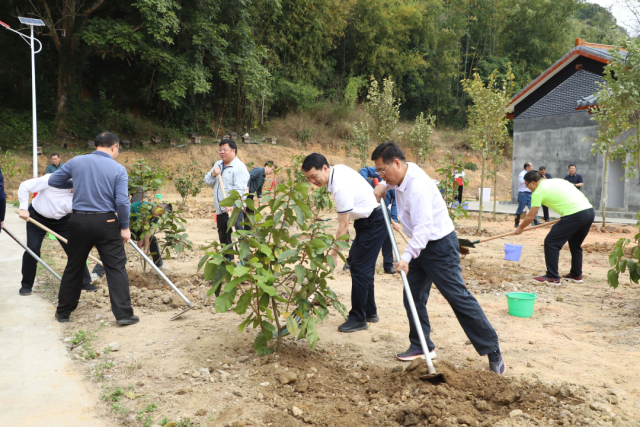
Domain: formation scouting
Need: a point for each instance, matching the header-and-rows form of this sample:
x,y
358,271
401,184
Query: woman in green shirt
x,y
577,216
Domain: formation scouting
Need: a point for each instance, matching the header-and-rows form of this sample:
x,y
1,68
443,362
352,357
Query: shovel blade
x,y
435,378
182,312
468,243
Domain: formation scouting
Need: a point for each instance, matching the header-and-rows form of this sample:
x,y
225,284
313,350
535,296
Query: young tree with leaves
x,y
487,119
420,136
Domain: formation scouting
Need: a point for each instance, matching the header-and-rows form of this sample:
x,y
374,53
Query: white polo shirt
x,y
351,192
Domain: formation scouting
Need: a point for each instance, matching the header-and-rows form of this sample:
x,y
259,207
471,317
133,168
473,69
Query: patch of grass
x,y
164,421
134,366
100,369
118,409
112,394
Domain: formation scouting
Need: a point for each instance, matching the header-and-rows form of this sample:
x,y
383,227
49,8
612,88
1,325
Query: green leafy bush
x,y
188,181
448,186
286,266
147,178
420,136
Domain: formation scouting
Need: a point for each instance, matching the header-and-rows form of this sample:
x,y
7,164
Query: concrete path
x,y
39,385
511,209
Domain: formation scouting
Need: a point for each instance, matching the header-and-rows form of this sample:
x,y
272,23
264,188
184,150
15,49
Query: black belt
x,y
91,212
377,208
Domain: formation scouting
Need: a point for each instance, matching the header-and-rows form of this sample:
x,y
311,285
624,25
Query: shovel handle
x,y
513,232
375,184
59,237
30,252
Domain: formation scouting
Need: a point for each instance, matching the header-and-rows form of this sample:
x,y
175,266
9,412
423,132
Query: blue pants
x,y
370,235
439,263
524,199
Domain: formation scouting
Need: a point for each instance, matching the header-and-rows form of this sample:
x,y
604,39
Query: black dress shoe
x,y
89,288
62,319
346,267
392,270
352,326
128,320
25,291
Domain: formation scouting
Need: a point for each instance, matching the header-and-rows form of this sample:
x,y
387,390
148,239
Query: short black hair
x,y
106,139
542,168
269,163
231,142
314,160
572,165
527,164
55,154
532,176
389,151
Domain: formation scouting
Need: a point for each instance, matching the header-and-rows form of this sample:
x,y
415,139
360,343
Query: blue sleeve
x,y
368,174
60,179
122,198
390,199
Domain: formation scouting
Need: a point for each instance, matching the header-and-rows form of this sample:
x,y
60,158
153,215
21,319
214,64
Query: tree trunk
x,y
495,188
67,80
604,186
481,194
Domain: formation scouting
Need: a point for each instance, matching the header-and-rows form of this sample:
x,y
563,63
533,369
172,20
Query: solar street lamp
x,y
30,40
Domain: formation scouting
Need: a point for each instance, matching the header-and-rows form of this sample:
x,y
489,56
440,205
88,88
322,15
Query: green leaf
x,y
612,278
286,255
260,345
245,323
300,216
240,270
243,303
312,333
302,187
217,279
244,249
225,301
202,261
234,283
300,273
292,325
270,290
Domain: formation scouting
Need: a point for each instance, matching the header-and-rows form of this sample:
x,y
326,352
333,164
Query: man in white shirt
x,y
235,176
524,195
353,199
51,208
432,255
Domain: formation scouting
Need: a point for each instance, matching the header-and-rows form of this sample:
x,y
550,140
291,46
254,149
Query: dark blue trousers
x,y
370,235
439,263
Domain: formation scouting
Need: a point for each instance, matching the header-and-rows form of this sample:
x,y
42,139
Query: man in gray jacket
x,y
235,176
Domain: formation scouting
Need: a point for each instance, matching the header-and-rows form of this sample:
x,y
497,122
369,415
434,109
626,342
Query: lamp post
x,y
30,40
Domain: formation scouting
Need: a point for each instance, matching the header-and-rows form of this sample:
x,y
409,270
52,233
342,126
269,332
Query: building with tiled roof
x,y
552,126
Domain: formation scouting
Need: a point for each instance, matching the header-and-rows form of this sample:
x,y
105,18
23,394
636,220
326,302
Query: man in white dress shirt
x,y
354,199
524,195
432,255
51,208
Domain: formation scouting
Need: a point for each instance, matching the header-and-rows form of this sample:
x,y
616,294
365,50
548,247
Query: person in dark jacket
x,y
55,163
3,201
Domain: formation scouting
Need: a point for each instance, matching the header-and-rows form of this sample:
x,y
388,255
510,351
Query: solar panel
x,y
30,21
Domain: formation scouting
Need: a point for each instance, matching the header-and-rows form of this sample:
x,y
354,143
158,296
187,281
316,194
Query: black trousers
x,y
371,233
153,248
460,188
103,232
439,263
545,212
35,235
223,234
573,229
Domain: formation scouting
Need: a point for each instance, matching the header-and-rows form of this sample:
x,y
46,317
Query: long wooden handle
x,y
513,232
401,233
59,237
224,193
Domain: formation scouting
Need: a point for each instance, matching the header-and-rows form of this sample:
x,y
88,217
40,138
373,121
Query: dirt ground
x,y
575,362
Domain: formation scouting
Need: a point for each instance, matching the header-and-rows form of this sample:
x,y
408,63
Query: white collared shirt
x,y
351,192
522,188
421,211
52,203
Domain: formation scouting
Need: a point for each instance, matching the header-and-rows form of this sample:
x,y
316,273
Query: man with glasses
x,y
235,176
99,191
354,199
432,256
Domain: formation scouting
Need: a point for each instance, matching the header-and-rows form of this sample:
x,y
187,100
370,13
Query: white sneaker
x,y
164,268
95,278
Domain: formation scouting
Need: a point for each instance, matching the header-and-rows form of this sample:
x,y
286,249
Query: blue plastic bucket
x,y
512,252
465,205
455,205
521,303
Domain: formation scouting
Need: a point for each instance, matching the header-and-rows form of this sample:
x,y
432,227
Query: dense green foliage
x,y
213,66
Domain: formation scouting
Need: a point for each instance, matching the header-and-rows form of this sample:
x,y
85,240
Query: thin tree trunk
x,y
481,194
495,188
604,187
276,314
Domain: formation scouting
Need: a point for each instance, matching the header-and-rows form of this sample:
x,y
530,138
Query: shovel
x,y
30,252
470,244
59,237
165,278
432,375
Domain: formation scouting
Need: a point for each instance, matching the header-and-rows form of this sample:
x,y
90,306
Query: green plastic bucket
x,y
52,237
159,196
521,303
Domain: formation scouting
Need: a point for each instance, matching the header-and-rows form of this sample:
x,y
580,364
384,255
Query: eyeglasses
x,y
223,151
383,172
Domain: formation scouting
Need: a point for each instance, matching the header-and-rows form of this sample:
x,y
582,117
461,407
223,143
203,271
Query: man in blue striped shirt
x,y
100,189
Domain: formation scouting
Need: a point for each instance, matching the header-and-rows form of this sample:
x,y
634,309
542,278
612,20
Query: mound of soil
x,y
602,248
328,392
473,231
